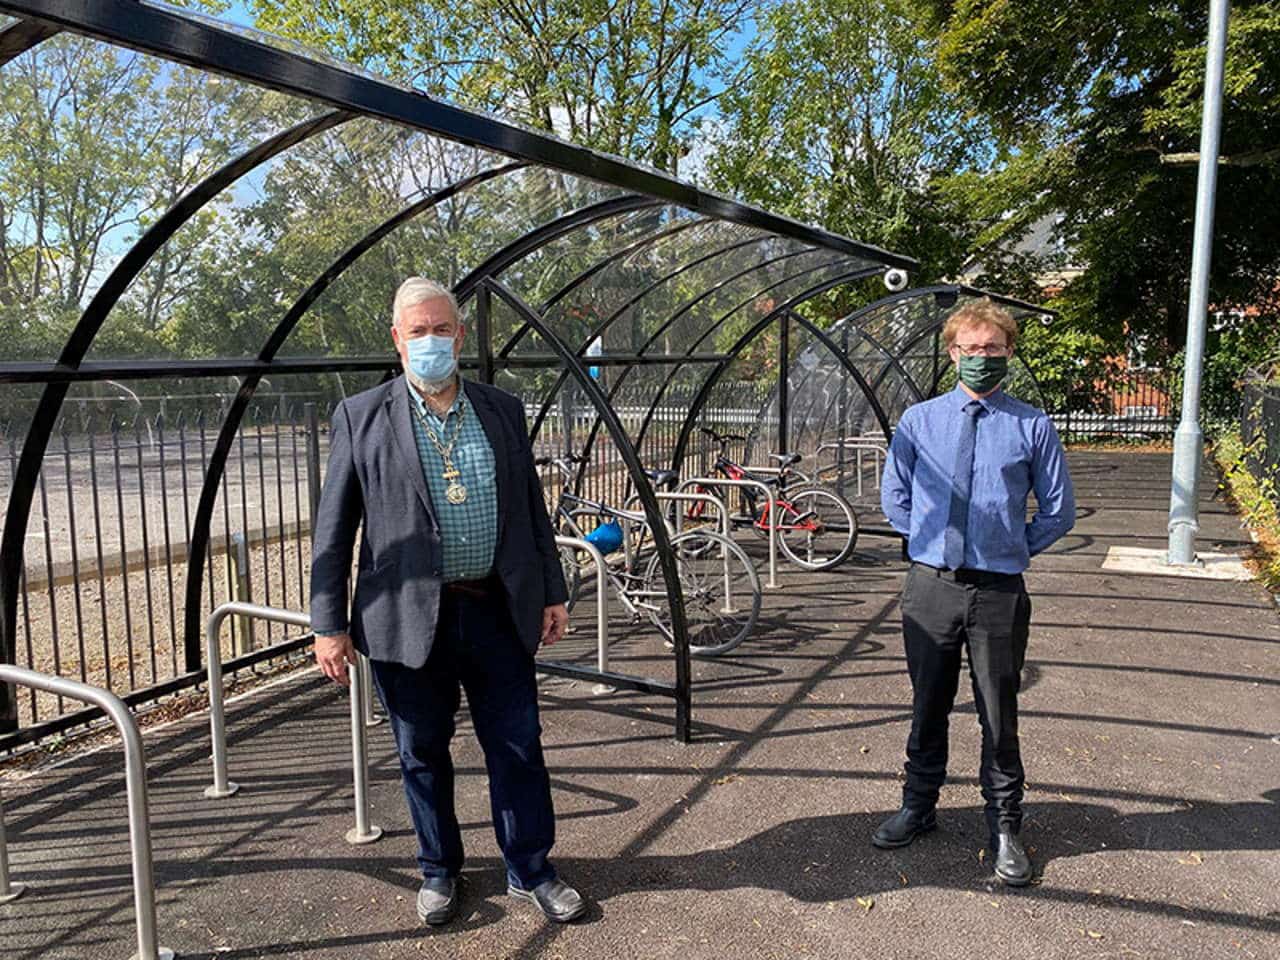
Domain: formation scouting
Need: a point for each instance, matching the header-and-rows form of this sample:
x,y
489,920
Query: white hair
x,y
419,290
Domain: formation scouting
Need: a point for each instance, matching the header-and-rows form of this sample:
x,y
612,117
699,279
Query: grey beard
x,y
431,387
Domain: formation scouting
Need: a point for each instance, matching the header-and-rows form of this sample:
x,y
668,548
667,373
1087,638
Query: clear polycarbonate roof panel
x,y
98,143
444,242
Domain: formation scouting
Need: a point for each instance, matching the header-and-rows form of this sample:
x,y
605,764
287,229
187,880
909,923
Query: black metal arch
x,y
677,364
172,36
604,325
86,329
704,393
596,268
541,236
653,407
654,513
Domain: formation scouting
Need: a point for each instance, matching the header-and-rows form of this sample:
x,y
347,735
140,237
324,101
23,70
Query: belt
x,y
977,578
482,587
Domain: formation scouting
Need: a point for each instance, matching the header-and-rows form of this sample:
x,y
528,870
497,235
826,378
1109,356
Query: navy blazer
x,y
375,479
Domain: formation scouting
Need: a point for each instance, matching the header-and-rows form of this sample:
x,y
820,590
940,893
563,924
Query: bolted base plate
x,y
374,720
162,953
15,891
356,838
601,689
213,793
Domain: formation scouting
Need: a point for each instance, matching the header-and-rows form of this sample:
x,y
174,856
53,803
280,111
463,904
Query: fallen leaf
x,y
982,855
1191,860
866,903
727,778
1094,934
903,877
864,749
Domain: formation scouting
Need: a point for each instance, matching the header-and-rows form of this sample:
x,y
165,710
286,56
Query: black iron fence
x,y
103,588
1128,405
1260,432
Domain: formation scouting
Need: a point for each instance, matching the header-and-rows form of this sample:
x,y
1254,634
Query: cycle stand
x,y
361,685
602,605
685,486
724,525
135,771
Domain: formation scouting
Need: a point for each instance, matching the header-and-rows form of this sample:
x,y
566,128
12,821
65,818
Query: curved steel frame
x,y
676,364
657,523
604,325
704,393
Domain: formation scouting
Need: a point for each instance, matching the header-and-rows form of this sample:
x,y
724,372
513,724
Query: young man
x,y
956,482
459,582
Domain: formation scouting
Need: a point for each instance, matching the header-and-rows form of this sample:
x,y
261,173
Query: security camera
x,y
895,280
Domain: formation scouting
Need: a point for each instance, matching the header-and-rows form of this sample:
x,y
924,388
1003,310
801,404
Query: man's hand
x,y
554,621
333,654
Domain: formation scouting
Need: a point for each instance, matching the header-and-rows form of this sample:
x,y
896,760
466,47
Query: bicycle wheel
x,y
817,528
720,587
572,573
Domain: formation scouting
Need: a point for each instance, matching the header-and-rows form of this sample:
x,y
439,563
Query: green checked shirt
x,y
469,530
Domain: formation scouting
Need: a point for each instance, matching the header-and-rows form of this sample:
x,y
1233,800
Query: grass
x,y
1256,502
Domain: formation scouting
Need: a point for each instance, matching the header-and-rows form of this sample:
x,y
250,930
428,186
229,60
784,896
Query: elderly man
x,y
458,584
956,482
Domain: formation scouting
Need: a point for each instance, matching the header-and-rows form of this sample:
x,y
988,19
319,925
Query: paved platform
x,y
1153,808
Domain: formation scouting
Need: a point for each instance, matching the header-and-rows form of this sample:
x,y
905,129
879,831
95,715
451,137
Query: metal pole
x,y
8,891
135,771
1188,441
363,831
784,377
602,604
313,461
371,719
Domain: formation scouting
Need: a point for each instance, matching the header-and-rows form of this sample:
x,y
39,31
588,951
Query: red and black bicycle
x,y
816,527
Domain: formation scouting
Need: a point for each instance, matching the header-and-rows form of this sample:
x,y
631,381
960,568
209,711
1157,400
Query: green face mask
x,y
981,374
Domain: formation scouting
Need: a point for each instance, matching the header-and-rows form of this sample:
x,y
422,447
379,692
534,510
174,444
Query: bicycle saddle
x,y
786,459
662,478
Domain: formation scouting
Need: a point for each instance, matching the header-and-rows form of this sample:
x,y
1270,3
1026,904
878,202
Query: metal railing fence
x,y
1260,432
102,596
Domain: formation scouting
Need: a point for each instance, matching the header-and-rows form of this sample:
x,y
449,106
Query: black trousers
x,y
476,649
988,616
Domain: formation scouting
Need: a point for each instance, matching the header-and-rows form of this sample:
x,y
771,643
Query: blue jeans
x,y
476,649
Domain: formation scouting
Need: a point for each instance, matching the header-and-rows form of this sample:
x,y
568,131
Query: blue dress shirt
x,y
1017,451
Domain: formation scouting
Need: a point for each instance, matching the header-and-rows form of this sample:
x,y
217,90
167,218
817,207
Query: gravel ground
x,y
1153,805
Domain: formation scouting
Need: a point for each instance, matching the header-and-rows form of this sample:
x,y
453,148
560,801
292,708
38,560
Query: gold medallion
x,y
456,493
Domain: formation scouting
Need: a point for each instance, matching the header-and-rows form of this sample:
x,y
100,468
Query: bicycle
x,y
719,583
816,527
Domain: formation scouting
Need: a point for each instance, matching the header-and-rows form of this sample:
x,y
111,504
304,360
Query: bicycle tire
x,y
832,540
712,629
572,571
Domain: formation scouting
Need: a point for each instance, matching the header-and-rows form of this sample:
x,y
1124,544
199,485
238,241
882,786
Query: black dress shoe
x,y
1013,866
903,827
555,898
438,900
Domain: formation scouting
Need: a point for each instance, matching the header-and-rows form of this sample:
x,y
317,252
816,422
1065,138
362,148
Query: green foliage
x,y
839,119
632,77
1098,105
1256,498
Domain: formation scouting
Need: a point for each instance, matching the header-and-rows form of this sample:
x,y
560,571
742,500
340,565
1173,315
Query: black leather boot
x,y
1013,866
903,827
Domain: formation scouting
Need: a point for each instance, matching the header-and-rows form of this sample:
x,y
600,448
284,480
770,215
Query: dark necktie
x,y
961,487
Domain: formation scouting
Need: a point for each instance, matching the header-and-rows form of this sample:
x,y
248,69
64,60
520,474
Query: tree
x,y
631,77
1098,105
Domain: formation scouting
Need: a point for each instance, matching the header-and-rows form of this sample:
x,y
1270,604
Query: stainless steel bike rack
x,y
602,603
859,445
773,512
724,529
9,891
135,772
363,831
